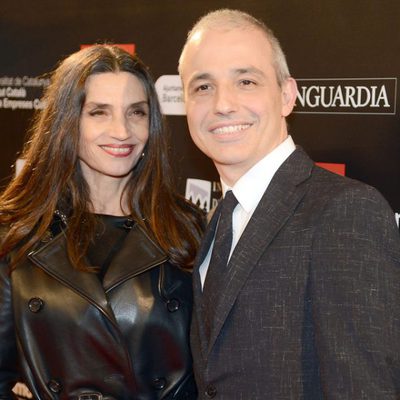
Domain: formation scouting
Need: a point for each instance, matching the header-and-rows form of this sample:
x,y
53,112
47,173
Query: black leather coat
x,y
70,337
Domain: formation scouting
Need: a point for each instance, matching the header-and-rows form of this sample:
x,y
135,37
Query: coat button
x,y
211,391
54,386
128,224
173,305
35,304
159,383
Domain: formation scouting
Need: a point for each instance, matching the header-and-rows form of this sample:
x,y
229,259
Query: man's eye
x,y
247,82
202,88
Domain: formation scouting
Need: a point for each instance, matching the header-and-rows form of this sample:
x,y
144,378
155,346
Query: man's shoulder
x,y
347,200
301,168
335,183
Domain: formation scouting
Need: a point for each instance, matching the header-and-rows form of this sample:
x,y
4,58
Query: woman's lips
x,y
118,150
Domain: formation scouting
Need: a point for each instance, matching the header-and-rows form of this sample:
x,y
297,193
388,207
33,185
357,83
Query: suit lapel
x,y
275,208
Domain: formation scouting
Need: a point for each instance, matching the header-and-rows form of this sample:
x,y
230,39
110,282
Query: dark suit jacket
x,y
310,304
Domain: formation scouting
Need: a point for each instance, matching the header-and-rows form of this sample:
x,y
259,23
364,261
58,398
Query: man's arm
x,y
356,297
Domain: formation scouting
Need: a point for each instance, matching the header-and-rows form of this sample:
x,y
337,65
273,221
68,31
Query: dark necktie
x,y
219,257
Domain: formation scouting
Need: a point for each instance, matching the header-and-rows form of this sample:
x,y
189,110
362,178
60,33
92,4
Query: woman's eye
x,y
137,113
95,113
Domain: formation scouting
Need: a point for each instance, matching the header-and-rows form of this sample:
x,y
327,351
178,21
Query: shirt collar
x,y
251,186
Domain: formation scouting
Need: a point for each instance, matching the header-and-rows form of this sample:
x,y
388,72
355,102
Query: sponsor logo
x,y
22,92
204,194
339,169
346,96
128,47
170,95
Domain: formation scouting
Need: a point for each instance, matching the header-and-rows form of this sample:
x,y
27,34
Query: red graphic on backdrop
x,y
128,47
339,169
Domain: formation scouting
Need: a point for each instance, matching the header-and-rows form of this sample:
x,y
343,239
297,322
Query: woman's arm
x,y
8,352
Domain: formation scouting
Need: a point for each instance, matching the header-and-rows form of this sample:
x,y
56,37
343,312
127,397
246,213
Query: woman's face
x,y
114,125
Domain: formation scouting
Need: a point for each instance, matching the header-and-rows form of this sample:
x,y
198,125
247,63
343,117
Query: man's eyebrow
x,y
200,76
249,70
235,72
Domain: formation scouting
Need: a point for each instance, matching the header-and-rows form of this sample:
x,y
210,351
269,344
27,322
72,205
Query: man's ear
x,y
289,95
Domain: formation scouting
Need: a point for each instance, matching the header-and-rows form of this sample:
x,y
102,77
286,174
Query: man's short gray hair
x,y
227,19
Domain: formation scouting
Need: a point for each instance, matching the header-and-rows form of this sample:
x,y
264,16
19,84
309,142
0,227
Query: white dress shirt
x,y
248,190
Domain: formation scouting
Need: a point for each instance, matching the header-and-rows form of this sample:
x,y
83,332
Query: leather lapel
x,y
275,208
137,254
53,259
197,289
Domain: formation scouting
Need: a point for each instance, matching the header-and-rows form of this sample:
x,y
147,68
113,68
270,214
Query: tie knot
x,y
229,202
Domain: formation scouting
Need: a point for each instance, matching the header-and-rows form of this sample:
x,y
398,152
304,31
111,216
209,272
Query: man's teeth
x,y
231,128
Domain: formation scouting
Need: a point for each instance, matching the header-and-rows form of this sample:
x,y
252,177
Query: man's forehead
x,y
223,42
230,49
242,31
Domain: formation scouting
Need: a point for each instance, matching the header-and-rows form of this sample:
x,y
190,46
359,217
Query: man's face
x,y
235,108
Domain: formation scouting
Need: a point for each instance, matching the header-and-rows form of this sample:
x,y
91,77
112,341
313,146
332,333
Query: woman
x,y
94,303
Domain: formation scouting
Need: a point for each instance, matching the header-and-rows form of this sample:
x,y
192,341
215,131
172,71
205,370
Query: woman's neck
x,y
106,195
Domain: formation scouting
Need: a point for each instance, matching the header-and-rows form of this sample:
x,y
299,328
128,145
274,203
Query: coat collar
x,y
277,205
137,255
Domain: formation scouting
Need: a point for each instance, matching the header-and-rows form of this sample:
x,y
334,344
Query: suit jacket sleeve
x,y
355,296
8,362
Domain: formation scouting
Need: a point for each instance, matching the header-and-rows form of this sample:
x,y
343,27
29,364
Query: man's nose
x,y
225,100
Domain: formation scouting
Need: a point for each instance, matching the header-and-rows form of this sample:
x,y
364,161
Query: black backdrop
x,y
328,44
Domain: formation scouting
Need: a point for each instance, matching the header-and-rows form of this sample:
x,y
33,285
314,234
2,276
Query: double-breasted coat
x,y
70,336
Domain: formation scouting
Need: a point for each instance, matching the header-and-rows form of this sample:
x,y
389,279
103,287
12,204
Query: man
x,y
308,305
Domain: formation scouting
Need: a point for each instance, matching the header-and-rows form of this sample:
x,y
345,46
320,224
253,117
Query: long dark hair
x,y
51,178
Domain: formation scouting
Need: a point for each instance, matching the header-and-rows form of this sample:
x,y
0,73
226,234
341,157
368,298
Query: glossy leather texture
x,y
74,337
